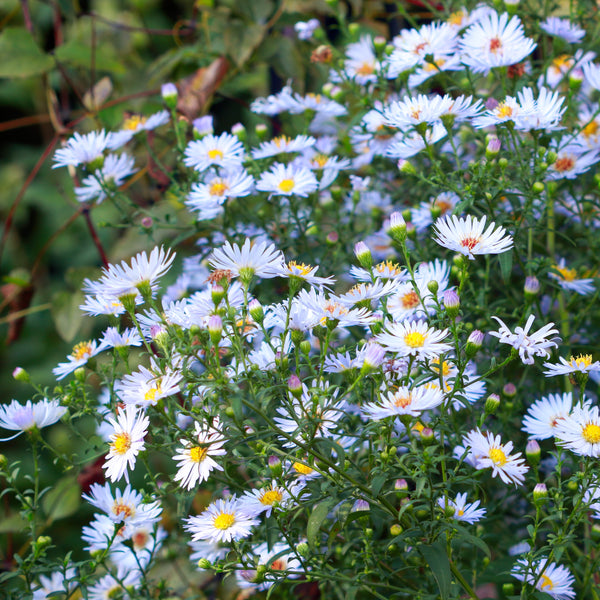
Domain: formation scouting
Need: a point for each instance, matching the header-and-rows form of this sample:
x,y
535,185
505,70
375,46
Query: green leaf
x,y
14,522
79,54
316,519
66,314
242,39
62,500
438,562
377,484
20,56
464,536
506,261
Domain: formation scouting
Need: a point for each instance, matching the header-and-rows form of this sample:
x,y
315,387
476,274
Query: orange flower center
x,y
410,300
565,163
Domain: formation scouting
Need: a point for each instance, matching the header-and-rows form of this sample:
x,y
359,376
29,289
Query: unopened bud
x,y
239,131
20,374
540,494
332,238
531,287
374,355
363,255
295,386
537,187
396,529
433,286
275,466
215,329
397,227
492,148
261,131
508,589
401,485
451,303
217,294
406,167
302,549
256,310
427,436
509,390
147,222
474,342
169,94
533,452
203,126
305,347
492,402
204,563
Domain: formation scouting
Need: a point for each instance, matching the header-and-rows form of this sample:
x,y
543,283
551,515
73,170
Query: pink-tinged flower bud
x,y
169,95
427,436
533,452
493,147
217,294
332,238
20,374
509,390
147,222
406,167
531,287
256,310
492,402
451,303
239,131
540,494
374,355
363,255
397,227
203,126
474,342
275,466
295,386
215,328
491,103
360,505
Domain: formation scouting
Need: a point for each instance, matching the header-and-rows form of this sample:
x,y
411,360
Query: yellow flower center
x,y
456,18
121,443
414,339
410,300
591,433
388,267
402,401
583,360
446,366
302,469
590,129
567,274
224,521
503,110
497,456
366,69
282,140
81,350
320,160
123,510
316,97
546,583
133,122
218,188
215,153
152,393
434,65
286,185
563,61
198,454
299,268
271,496
460,512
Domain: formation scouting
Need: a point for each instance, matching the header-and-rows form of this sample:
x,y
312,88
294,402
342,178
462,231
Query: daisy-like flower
x,y
257,501
528,344
488,452
111,176
57,582
109,587
413,111
222,521
145,387
134,124
578,364
552,579
568,279
495,41
82,352
572,160
113,338
361,62
127,505
415,141
301,272
282,564
19,418
318,103
194,458
544,416
469,513
562,28
223,151
543,113
288,180
81,149
404,401
580,431
283,145
330,311
126,441
509,110
251,260
414,338
468,237
591,72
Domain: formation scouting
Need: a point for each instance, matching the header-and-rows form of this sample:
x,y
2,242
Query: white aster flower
x,y
145,387
415,110
57,582
265,499
108,587
82,352
527,344
468,237
305,29
544,415
572,160
414,338
562,28
488,452
222,521
469,513
578,364
126,441
361,64
299,271
223,151
495,41
20,418
404,401
415,141
81,149
113,338
282,145
552,579
134,124
288,180
194,459
580,431
569,280
112,175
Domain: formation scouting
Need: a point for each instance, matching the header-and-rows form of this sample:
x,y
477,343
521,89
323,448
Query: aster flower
x,y
109,586
562,28
527,344
81,149
414,338
468,237
415,141
568,279
251,260
543,113
57,582
126,441
115,170
82,352
487,451
404,401
222,521
20,418
223,151
134,124
299,271
288,180
194,459
413,111
544,415
580,431
548,577
361,64
305,29
469,513
145,387
283,145
495,41
113,338
572,160
257,501
591,72
578,364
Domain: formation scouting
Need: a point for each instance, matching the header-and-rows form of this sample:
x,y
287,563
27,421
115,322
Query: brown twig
x,y
95,238
186,29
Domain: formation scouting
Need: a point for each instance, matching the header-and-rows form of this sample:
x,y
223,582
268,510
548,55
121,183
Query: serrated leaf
x,y
66,313
506,262
62,500
438,562
20,56
316,519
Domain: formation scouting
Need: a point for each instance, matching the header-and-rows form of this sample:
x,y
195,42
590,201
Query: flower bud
x,y
275,466
451,303
508,589
531,287
295,386
427,436
305,347
396,529
502,163
511,6
20,374
509,390
433,286
540,494
401,486
332,238
261,131
493,147
363,255
256,310
147,222
302,549
474,342
537,187
215,329
406,167
492,402
533,453
169,95
80,374
374,356
217,294
397,227
204,563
